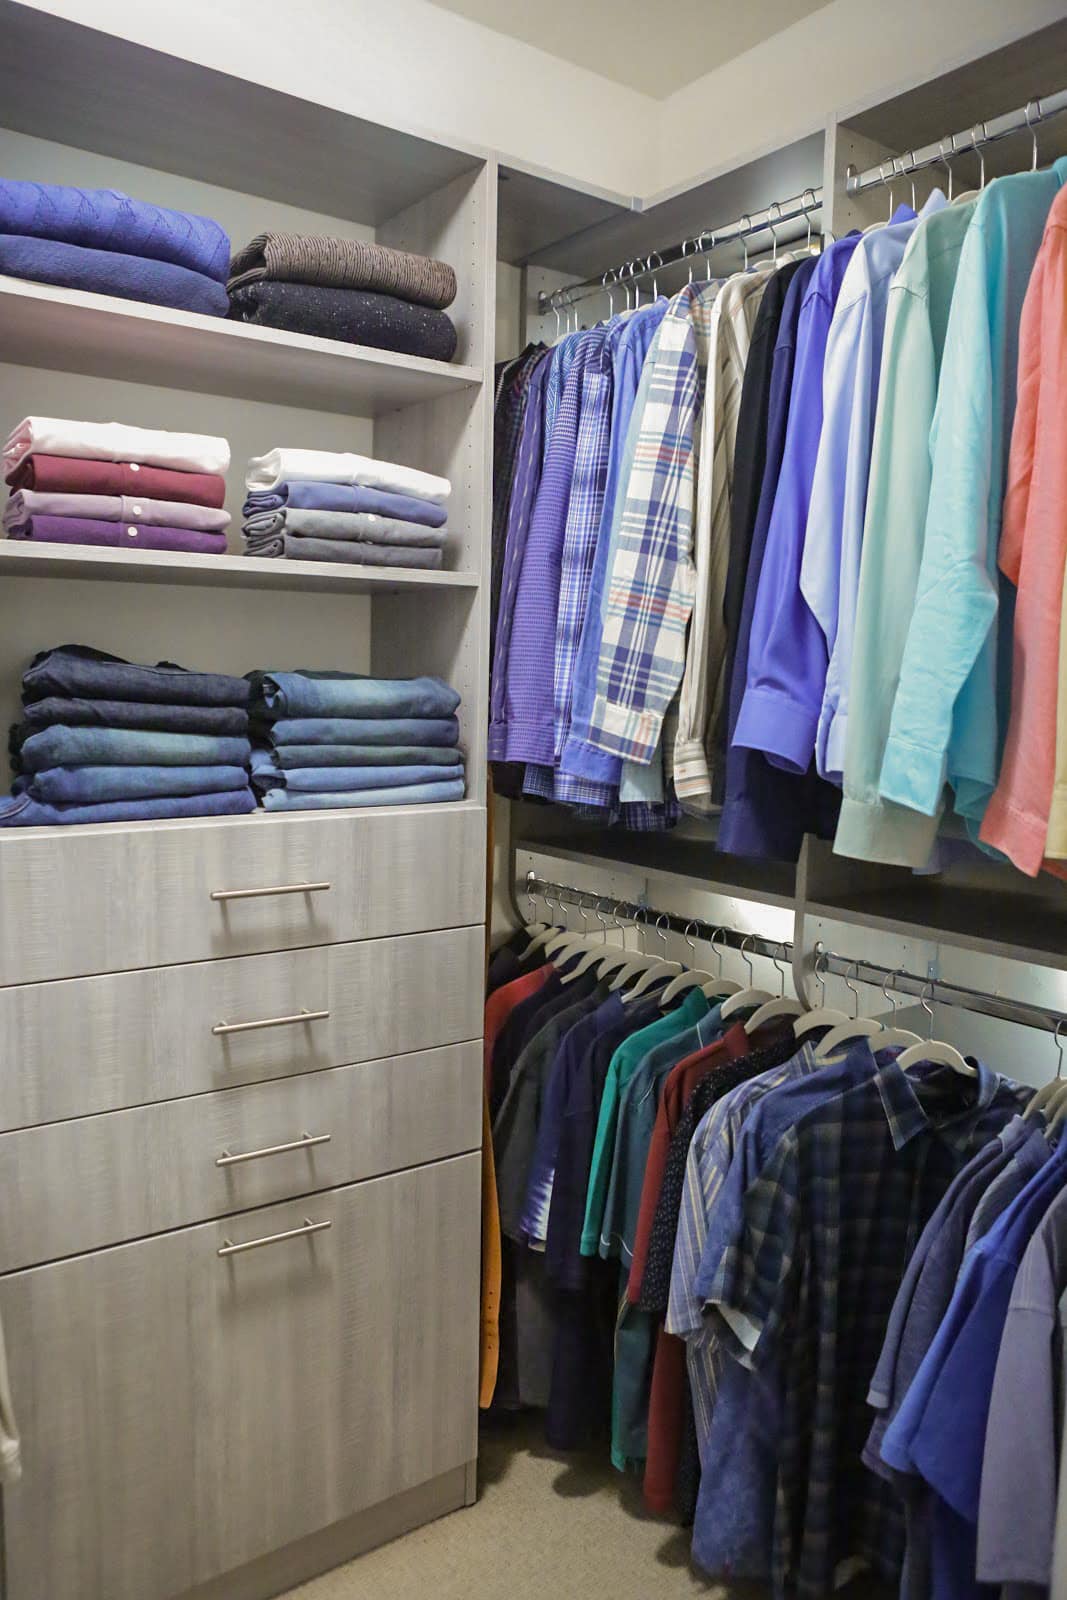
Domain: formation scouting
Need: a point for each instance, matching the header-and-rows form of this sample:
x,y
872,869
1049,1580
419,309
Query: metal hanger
x,y
771,230
938,1051
947,164
690,978
979,150
822,1015
893,1037
1037,104
744,999
596,954
807,213
533,927
856,1027
1048,1091
1054,1106
882,179
719,986
565,939
783,1006
653,270
541,940
641,960
707,249
654,973
606,287
744,225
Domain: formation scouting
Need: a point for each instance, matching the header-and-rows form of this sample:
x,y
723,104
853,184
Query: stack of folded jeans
x,y
109,483
317,505
107,243
105,740
326,739
345,289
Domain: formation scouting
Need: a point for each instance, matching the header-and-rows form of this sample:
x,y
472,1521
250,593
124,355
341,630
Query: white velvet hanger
x,y
856,1027
822,1015
892,1037
688,978
938,1051
660,967
783,1006
1042,1100
744,999
718,987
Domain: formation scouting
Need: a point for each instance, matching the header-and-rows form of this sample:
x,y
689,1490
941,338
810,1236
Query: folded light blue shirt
x,y
949,716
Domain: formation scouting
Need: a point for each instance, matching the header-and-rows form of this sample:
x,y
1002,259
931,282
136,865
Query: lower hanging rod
x,y
768,220
935,991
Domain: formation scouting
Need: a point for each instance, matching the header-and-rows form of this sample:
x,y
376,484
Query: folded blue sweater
x,y
105,219
70,266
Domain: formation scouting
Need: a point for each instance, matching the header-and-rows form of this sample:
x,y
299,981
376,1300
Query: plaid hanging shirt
x,y
824,1236
651,586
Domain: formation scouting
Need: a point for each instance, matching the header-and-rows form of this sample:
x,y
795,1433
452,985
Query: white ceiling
x,y
656,46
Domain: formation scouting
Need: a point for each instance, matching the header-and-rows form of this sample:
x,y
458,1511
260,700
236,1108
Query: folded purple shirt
x,y
119,535
27,503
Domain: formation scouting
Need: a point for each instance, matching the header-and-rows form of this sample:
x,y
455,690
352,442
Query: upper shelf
x,y
68,331
78,85
20,559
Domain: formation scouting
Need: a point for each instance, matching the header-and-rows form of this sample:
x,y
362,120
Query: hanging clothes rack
x,y
947,149
932,990
769,220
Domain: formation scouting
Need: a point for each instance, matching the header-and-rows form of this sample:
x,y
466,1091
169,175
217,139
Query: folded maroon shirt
x,y
72,475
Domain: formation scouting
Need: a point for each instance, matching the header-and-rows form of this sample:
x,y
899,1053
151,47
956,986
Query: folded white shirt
x,y
115,441
327,466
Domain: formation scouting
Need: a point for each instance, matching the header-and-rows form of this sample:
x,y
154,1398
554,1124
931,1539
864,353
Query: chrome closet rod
x,y
958,144
934,990
780,213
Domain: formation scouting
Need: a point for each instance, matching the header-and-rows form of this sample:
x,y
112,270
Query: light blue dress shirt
x,y
945,721
829,570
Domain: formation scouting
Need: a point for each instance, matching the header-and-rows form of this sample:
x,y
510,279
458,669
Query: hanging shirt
x,y
879,1158
749,464
650,589
732,318
524,490
530,703
1033,546
945,719
898,493
1017,1505
787,650
833,541
766,812
630,356
509,415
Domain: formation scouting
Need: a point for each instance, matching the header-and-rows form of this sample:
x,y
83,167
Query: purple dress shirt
x,y
530,707
118,535
787,647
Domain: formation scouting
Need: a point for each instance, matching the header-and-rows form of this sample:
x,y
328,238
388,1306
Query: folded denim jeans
x,y
366,526
345,497
356,552
23,811
415,794
307,693
343,780
130,747
92,785
79,670
439,731
134,714
364,755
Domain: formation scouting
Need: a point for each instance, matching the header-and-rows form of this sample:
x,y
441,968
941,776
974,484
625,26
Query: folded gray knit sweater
x,y
344,264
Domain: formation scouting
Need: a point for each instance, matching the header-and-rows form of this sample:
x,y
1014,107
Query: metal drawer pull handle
x,y
221,1028
228,1248
258,894
306,1141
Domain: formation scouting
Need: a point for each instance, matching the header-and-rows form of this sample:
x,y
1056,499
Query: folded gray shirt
x,y
364,525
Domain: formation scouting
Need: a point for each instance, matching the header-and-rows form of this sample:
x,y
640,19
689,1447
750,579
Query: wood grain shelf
x,y
66,330
21,560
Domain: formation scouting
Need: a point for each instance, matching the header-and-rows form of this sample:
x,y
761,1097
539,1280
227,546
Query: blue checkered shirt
x,y
827,1229
650,590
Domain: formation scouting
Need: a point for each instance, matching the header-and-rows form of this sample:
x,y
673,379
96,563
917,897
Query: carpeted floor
x,y
545,1527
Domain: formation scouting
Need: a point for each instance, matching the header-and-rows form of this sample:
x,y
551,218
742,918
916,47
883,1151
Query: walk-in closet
x,y
533,982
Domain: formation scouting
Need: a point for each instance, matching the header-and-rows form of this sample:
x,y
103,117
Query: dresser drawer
x,y
95,1181
183,1413
105,899
85,1045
